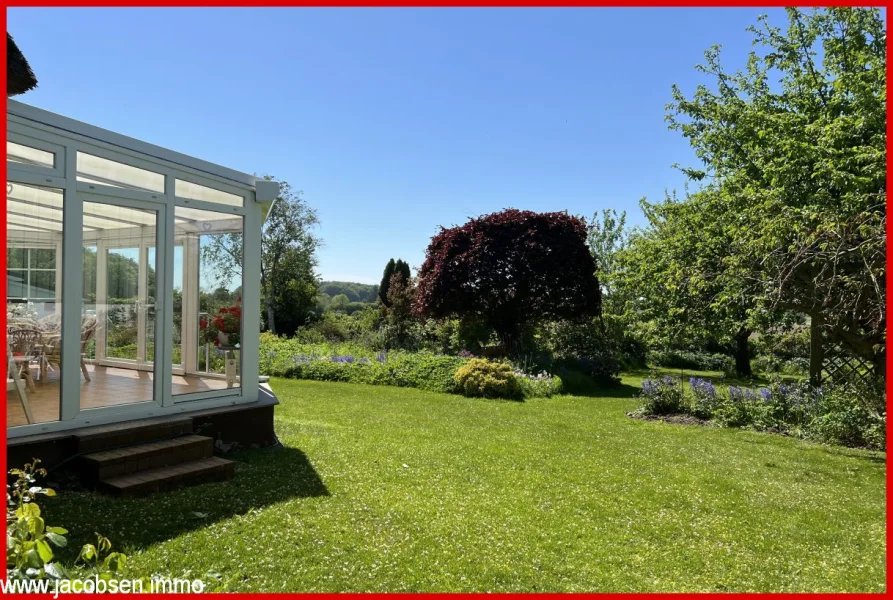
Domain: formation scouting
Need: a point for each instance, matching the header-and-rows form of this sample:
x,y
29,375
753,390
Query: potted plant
x,y
224,327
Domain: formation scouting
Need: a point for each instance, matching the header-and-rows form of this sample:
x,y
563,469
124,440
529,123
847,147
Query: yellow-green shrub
x,y
480,377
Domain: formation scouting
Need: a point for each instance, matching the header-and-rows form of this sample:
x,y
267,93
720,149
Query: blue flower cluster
x,y
702,388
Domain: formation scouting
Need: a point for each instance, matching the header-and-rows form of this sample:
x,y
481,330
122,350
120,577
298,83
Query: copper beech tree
x,y
509,269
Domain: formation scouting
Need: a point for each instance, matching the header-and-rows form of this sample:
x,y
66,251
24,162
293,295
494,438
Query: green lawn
x,y
389,489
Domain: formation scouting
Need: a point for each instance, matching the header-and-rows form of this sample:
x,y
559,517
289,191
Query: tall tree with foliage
x,y
509,269
795,146
402,267
288,280
606,236
386,282
399,319
392,268
671,275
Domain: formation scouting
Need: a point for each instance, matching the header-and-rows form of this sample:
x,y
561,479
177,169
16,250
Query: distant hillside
x,y
355,292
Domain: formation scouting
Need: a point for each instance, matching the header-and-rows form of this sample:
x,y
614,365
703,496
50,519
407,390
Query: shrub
x,y
480,377
583,346
740,407
771,363
30,541
699,361
705,398
539,385
851,415
663,396
602,369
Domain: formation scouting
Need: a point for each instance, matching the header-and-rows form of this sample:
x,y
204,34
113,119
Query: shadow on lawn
x,y
578,384
264,477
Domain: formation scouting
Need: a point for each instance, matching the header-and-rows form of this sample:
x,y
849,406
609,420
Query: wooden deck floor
x,y
109,386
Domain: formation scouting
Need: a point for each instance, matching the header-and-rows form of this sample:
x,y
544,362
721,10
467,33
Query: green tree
x,y
402,267
606,236
671,275
339,302
288,280
386,282
794,145
399,321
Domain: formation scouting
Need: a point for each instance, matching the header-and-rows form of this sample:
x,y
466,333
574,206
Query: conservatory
x,y
132,287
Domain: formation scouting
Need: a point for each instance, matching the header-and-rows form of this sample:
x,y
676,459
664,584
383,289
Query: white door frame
x,y
161,385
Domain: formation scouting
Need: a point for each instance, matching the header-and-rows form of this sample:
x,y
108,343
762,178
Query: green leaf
x,y
32,559
57,539
46,553
88,551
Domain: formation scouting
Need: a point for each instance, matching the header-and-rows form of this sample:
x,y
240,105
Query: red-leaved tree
x,y
508,269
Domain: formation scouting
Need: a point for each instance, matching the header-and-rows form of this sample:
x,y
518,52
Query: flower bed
x,y
848,415
282,357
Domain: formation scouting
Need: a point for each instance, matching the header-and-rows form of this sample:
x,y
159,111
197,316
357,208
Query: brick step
x,y
106,437
170,477
107,464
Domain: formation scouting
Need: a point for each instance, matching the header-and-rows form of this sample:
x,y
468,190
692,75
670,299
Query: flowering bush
x,y
705,398
852,414
662,396
539,385
227,321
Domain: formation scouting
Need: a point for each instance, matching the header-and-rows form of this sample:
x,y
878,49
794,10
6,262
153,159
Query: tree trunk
x,y
742,353
816,355
268,304
509,337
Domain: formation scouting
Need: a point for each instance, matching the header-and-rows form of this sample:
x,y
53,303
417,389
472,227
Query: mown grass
x,y
391,489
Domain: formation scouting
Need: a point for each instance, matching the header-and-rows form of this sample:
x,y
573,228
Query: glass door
x,y
122,368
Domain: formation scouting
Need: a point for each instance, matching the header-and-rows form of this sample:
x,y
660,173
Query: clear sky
x,y
394,121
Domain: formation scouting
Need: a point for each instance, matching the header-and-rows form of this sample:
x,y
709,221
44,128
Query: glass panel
x,y
17,283
178,353
211,304
93,169
43,284
16,258
148,312
194,191
121,274
89,300
29,156
122,302
42,258
34,332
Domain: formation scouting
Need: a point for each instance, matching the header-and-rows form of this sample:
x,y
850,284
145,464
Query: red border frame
x,y
463,3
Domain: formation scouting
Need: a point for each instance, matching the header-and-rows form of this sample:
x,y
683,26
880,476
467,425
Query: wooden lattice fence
x,y
840,365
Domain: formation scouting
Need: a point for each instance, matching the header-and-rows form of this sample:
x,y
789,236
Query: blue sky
x,y
394,121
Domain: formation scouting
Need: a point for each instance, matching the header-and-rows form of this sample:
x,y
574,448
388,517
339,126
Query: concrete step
x,y
143,483
116,462
107,437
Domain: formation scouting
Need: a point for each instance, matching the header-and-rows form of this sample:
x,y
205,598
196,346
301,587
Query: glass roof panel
x,y
31,208
101,171
194,220
29,156
194,191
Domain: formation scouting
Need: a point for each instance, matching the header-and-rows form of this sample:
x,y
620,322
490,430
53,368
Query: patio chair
x,y
13,376
53,351
23,345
